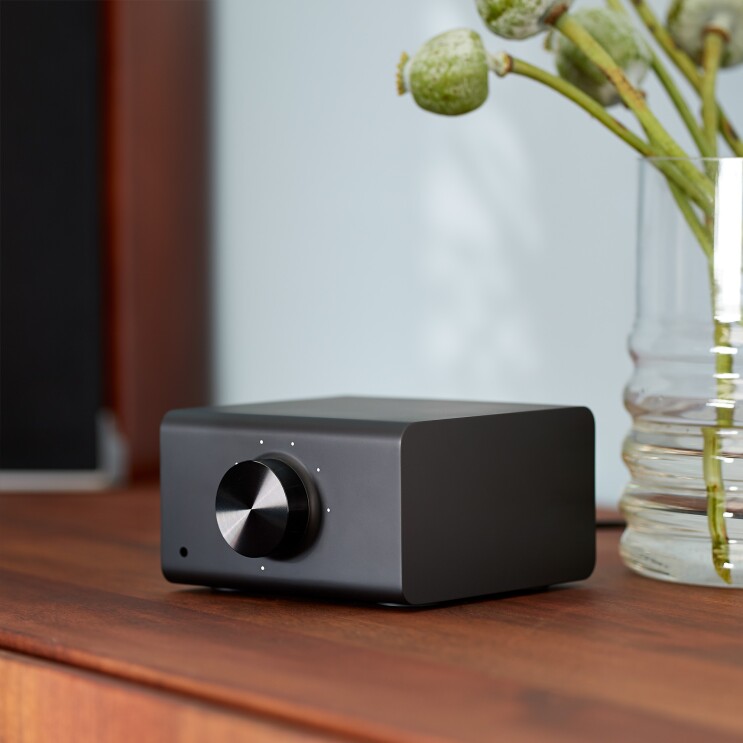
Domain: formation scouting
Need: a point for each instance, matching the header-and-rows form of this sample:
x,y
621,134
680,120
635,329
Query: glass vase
x,y
684,452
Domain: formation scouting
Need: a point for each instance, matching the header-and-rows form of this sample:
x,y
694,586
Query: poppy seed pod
x,y
517,19
448,75
616,34
688,20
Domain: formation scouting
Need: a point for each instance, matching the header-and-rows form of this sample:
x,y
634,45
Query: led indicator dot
x,y
292,443
328,510
263,567
261,441
318,469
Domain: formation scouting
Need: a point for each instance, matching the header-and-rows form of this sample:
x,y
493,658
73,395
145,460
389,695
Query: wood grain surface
x,y
617,657
43,702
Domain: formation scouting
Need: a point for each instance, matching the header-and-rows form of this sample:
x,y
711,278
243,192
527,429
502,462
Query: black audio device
x,y
387,500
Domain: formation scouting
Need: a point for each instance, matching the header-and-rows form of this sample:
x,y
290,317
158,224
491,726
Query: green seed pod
x,y
448,74
616,34
517,19
688,20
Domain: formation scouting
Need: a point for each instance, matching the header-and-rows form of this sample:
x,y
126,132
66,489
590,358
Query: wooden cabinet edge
x,y
42,701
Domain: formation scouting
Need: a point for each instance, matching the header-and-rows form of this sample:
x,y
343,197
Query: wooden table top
x,y
616,657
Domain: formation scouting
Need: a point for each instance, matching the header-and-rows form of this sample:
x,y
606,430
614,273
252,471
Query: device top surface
x,y
379,409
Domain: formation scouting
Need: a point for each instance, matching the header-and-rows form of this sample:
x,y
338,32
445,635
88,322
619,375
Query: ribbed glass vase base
x,y
672,543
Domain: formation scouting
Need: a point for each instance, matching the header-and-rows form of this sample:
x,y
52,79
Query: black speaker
x,y
51,360
387,500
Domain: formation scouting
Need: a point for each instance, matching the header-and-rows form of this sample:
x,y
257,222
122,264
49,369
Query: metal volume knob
x,y
262,507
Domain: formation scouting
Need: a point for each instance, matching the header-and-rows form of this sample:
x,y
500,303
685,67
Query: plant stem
x,y
679,102
701,234
714,45
665,40
711,435
687,67
503,64
724,404
723,370
716,503
712,455
616,5
520,67
731,135
674,94
573,30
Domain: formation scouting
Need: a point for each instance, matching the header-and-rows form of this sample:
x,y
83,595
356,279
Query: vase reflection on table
x,y
684,502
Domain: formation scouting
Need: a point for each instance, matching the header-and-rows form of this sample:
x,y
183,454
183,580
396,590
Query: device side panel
x,y
498,503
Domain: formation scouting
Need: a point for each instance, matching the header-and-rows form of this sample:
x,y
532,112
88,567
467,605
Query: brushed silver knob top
x,y
262,507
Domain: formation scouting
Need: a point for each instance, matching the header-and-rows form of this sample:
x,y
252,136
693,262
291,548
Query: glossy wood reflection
x,y
614,658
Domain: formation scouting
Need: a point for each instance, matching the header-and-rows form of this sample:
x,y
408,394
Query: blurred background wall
x,y
366,246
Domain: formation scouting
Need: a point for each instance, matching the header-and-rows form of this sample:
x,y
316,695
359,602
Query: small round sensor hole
x,y
183,551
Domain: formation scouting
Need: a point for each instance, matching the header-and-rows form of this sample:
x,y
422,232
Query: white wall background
x,y
365,246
